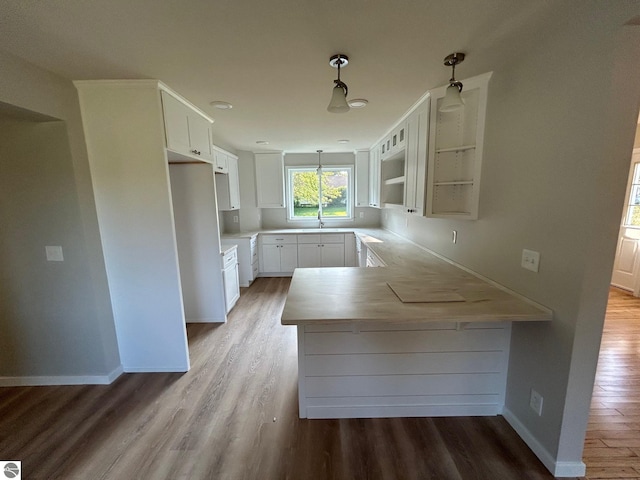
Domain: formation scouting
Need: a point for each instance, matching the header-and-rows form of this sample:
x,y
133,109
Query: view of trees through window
x,y
305,188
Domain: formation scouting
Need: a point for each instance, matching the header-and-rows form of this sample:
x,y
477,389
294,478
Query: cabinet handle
x,y
195,151
219,168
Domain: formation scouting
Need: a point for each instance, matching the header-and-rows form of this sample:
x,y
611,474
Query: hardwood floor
x,y
612,447
234,416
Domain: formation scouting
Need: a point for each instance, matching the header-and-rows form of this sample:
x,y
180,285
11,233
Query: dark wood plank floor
x,y
612,447
234,416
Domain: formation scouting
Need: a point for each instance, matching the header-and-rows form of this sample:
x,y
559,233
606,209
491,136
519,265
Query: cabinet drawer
x,y
321,238
229,259
253,245
279,239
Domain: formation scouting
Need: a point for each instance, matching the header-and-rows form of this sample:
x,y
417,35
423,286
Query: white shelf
x,y
466,182
460,148
394,181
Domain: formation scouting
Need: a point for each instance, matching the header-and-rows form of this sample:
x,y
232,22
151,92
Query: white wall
x,y
560,127
56,323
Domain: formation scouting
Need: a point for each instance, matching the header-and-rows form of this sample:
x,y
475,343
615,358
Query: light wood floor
x,y
234,416
612,448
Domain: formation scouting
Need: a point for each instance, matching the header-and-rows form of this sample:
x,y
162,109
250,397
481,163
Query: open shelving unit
x,y
455,154
393,179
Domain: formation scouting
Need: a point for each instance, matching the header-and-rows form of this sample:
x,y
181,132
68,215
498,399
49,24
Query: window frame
x,y
289,169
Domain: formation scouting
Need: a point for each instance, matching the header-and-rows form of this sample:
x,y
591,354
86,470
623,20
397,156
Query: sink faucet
x,y
320,222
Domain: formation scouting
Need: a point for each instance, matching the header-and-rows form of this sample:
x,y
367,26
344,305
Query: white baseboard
x,y
557,469
43,380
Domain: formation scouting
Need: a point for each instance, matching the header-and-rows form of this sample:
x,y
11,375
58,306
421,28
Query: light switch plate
x,y
530,260
535,402
54,254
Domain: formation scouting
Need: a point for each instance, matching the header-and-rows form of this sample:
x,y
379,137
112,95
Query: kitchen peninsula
x,y
363,352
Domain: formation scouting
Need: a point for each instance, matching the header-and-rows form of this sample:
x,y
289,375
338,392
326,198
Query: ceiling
x,y
270,58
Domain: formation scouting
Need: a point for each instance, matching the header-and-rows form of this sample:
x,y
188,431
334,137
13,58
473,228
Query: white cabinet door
x,y
374,177
221,162
231,285
288,258
271,258
362,179
332,255
309,255
186,131
199,135
176,123
228,186
234,182
416,159
270,180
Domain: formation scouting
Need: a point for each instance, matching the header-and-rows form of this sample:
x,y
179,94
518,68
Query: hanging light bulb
x,y
452,99
338,103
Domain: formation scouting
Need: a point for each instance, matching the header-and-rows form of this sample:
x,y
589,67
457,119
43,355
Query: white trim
x,y
350,194
62,379
557,469
391,411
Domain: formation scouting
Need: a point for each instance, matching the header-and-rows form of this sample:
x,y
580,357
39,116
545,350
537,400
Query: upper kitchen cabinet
x,y
455,152
228,185
187,131
374,177
416,158
403,165
270,180
220,160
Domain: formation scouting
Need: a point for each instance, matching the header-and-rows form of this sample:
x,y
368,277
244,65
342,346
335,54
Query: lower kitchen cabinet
x,y
279,254
325,250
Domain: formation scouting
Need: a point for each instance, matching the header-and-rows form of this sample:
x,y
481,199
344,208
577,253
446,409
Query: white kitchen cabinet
x,y
220,160
228,185
247,257
321,250
230,276
270,180
394,142
186,131
455,152
362,178
416,159
278,254
374,177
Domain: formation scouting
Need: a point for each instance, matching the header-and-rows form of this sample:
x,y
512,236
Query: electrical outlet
x,y
54,254
454,236
530,260
235,219
535,402
361,214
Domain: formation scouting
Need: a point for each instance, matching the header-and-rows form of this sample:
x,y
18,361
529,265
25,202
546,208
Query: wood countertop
x,y
349,294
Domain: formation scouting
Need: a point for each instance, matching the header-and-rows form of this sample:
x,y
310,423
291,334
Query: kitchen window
x,y
325,193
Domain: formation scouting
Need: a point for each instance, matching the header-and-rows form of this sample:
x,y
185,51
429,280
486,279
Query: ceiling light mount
x,y
338,103
452,100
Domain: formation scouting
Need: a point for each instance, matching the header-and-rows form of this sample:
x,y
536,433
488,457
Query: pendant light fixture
x,y
338,103
452,100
